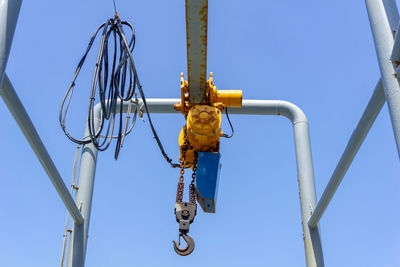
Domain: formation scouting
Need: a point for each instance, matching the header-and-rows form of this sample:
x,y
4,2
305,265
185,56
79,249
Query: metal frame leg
x,y
305,176
305,172
26,126
367,119
84,195
383,39
9,11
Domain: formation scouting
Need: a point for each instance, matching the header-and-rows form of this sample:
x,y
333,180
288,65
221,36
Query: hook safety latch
x,y
185,213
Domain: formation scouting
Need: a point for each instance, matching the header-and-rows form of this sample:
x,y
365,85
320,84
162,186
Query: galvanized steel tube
x,y
392,13
84,196
9,11
305,177
383,38
367,119
28,129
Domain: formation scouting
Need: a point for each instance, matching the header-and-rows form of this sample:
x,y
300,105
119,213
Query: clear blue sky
x,y
316,54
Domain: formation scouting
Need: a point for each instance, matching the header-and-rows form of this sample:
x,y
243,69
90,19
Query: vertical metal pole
x,y
87,169
9,11
305,177
308,199
383,38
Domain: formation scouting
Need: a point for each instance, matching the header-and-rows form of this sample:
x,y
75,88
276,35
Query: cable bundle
x,y
113,89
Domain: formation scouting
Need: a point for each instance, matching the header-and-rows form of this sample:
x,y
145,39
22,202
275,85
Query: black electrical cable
x,y
230,124
112,90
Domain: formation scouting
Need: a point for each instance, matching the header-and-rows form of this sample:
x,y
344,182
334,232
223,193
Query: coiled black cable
x,y
112,90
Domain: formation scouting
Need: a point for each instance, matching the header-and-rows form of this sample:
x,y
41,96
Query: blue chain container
x,y
207,177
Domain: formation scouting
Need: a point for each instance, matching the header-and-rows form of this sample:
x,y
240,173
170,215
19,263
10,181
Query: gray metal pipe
x,y
395,57
364,125
383,38
9,11
305,173
392,14
84,196
367,119
25,124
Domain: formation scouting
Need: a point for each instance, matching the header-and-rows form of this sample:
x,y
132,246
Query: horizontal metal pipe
x,y
249,107
372,110
28,129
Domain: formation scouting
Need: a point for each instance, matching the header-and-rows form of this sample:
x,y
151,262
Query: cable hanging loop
x,y
114,81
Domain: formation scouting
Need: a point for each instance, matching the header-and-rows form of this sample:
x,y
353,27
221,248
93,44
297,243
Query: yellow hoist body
x,y
203,121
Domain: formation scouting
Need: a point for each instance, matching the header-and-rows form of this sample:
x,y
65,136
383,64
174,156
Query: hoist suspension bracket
x,y
215,98
203,121
226,98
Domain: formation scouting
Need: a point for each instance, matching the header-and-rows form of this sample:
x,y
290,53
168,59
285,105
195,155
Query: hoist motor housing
x,y
203,127
207,178
203,121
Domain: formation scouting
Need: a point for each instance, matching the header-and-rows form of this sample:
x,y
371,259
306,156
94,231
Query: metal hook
x,y
189,245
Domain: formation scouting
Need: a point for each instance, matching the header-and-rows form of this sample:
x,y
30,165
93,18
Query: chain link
x,y
192,188
179,191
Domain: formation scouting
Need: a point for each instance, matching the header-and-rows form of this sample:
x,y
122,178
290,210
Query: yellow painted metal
x,y
204,127
185,105
226,98
216,98
230,98
203,121
203,131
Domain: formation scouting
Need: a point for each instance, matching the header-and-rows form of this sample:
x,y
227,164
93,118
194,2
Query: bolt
x,y
185,213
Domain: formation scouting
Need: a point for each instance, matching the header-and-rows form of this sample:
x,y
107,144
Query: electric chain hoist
x,y
199,139
199,143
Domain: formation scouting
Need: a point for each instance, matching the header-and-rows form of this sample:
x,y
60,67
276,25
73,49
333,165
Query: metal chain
x,y
185,216
192,187
179,191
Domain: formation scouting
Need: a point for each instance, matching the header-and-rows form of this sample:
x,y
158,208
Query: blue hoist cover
x,y
207,177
